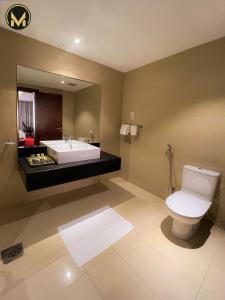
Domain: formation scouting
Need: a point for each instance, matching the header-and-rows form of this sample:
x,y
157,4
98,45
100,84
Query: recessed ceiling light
x,y
77,41
62,81
68,274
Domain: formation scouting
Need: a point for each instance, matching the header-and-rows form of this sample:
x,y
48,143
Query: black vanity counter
x,y
45,176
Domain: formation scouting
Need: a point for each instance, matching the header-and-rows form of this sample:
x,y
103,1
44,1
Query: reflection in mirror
x,y
53,107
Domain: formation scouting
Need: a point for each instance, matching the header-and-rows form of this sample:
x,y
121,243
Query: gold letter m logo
x,y
18,22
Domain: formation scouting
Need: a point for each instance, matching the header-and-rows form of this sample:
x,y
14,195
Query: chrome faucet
x,y
66,138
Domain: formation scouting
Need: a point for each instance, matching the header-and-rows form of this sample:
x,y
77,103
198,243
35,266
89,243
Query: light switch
x,y
132,115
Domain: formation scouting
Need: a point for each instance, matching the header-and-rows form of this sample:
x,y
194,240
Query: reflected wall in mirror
x,y
53,107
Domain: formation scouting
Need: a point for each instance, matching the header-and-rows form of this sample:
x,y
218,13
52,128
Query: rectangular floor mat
x,y
87,237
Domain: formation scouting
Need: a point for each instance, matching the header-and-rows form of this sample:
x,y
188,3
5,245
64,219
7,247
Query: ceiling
x,y
37,78
123,34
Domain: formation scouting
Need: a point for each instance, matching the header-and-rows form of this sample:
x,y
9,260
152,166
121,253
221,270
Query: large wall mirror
x,y
52,107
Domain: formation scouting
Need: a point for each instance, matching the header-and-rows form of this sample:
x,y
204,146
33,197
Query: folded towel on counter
x,y
125,129
134,130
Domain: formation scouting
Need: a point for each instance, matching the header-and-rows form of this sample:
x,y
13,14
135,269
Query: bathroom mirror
x,y
52,107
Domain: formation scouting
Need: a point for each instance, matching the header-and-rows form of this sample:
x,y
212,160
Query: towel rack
x,y
139,125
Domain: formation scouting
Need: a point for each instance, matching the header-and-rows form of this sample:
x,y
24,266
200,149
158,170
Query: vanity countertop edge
x,y
46,176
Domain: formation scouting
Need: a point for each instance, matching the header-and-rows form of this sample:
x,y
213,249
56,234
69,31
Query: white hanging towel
x,y
125,128
134,130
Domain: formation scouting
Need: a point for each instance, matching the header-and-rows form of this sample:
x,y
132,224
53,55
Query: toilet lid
x,y
187,205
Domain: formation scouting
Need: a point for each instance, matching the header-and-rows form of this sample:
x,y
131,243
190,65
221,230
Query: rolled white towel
x,y
125,128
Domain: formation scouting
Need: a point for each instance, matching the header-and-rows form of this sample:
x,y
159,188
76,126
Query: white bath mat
x,y
90,235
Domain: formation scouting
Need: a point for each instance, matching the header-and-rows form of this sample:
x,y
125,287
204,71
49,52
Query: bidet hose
x,y
171,169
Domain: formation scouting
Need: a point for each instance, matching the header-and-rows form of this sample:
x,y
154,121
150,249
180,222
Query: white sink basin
x,y
70,151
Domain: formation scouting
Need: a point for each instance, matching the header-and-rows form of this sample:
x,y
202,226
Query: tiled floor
x,y
148,263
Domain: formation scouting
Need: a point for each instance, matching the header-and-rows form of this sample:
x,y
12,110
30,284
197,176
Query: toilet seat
x,y
187,205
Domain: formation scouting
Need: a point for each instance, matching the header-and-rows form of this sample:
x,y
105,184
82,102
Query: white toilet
x,y
188,206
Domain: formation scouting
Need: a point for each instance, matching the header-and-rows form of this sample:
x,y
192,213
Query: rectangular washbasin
x,y
70,151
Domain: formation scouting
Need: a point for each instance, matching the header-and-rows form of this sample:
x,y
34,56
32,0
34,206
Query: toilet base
x,y
184,231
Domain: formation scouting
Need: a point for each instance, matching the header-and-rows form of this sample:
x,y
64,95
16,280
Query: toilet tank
x,y
200,181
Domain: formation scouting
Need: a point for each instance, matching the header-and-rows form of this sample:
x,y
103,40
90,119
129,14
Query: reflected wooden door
x,y
48,116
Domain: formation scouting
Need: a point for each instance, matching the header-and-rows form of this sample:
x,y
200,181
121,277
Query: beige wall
x,y
179,100
17,49
87,112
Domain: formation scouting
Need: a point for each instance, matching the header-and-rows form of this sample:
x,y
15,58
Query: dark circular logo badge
x,y
18,17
